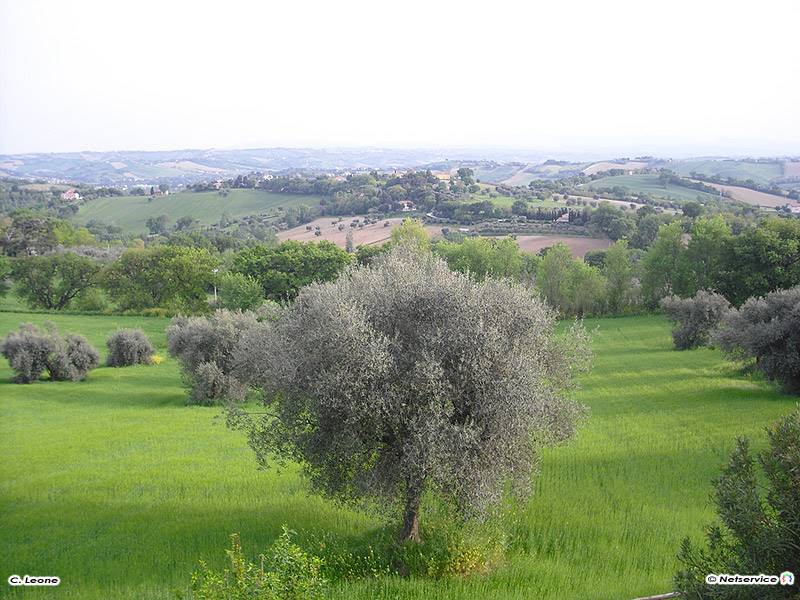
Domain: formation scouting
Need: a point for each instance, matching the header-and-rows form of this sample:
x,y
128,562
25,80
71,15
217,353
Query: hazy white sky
x,y
679,77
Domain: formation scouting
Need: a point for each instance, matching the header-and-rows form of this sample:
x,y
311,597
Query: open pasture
x,y
117,487
131,212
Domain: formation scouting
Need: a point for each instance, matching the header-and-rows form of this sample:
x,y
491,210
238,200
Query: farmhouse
x,y
70,194
794,208
408,205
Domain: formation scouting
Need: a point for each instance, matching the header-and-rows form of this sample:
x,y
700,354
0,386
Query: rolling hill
x,y
649,184
131,212
760,172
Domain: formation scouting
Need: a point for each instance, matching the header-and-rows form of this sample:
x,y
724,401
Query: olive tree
x,y
204,346
128,347
694,318
768,330
30,351
403,378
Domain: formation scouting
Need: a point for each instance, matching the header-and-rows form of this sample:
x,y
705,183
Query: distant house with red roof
x,y
70,194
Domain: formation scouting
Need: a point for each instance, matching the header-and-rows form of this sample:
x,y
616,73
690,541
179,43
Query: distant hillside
x,y
763,172
177,167
650,185
131,212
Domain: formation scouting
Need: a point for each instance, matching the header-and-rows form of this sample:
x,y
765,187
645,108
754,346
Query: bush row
x,y
764,329
31,351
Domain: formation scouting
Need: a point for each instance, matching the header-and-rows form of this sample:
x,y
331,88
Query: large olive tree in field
x,y
405,378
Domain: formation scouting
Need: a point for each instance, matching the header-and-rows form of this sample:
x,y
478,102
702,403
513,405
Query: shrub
x,y
694,318
27,350
128,347
31,351
239,292
286,573
72,358
768,330
204,346
758,534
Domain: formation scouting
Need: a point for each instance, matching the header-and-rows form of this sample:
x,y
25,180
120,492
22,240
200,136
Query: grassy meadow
x,y
650,185
131,212
760,172
117,487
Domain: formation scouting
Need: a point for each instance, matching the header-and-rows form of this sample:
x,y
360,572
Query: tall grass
x,y
117,487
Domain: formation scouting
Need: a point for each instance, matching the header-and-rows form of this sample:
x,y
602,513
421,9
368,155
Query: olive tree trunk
x,y
410,529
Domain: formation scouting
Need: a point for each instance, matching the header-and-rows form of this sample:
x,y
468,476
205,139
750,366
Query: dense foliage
x,y
52,282
695,318
405,378
284,269
204,346
127,347
161,276
30,351
766,329
239,292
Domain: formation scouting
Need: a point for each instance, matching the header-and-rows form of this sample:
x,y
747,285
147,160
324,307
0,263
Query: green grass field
x,y
762,172
117,487
650,185
132,212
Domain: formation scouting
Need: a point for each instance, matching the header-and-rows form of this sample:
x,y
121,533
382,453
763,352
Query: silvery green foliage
x,y
71,358
405,377
30,351
767,329
204,346
27,350
694,318
128,347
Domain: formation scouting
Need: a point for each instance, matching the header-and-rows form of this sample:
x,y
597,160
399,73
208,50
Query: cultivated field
x,y
577,244
374,233
132,212
607,166
753,197
118,488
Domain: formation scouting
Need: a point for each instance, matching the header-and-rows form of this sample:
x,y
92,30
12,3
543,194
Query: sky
x,y
677,78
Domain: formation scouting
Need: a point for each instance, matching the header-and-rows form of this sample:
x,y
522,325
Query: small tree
x,y
768,330
695,318
758,534
128,347
405,378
